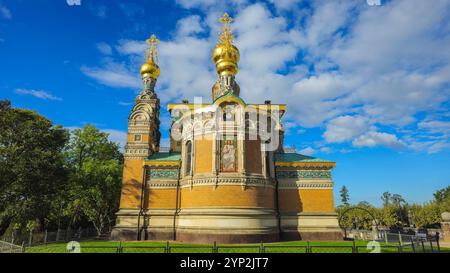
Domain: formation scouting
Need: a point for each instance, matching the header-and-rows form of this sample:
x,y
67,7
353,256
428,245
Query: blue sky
x,y
366,86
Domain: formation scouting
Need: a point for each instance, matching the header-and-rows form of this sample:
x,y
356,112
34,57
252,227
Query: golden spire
x,y
225,54
150,67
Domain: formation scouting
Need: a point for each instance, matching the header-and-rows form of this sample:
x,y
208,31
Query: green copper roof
x,y
230,93
166,156
293,157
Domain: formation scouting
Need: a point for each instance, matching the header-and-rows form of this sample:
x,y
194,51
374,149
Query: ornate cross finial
x,y
226,19
152,52
226,36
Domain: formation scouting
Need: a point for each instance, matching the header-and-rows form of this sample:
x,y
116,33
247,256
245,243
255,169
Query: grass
x,y
177,247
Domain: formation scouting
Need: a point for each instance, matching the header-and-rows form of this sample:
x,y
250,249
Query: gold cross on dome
x,y
151,52
226,36
226,19
152,41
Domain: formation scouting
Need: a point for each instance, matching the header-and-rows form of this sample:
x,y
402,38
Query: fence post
x,y
437,244
214,250
354,249
400,238
23,247
167,247
308,248
431,246
400,248
261,247
413,246
386,237
423,247
45,237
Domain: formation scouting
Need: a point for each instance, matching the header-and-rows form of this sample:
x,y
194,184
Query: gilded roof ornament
x,y
226,36
150,67
152,50
225,54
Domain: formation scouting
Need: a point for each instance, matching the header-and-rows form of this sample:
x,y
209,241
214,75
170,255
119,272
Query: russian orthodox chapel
x,y
226,176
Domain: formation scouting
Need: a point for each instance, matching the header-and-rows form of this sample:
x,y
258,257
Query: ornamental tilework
x,y
162,174
305,174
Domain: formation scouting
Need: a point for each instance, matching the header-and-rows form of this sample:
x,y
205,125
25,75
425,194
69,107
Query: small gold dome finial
x,y
150,68
225,54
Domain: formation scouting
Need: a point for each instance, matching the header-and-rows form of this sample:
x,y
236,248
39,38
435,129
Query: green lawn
x,y
176,247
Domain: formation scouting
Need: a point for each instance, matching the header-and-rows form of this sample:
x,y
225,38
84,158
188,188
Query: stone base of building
x,y
227,226
210,238
310,227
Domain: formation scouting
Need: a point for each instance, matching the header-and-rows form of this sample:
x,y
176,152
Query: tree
x,y
442,195
96,177
397,200
386,198
32,169
344,195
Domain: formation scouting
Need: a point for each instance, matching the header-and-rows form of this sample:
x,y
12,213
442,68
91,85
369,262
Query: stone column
x,y
445,226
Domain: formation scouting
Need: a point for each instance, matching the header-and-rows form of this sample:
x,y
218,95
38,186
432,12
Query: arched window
x,y
188,157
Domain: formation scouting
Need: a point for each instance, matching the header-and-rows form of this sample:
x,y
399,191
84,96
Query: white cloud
x,y
372,139
345,128
435,126
283,5
113,75
104,48
189,25
40,94
308,151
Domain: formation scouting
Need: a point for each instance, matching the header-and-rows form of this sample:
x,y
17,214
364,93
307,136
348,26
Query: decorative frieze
x,y
304,174
305,185
162,174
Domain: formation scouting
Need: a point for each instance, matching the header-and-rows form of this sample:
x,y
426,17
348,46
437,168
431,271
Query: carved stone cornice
x,y
228,181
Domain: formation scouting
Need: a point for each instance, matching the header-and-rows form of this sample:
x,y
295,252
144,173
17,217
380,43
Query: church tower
x,y
143,135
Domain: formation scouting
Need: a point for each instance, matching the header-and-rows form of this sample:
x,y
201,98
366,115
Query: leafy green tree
x,y
32,169
96,177
397,200
345,197
442,195
425,215
386,198
387,215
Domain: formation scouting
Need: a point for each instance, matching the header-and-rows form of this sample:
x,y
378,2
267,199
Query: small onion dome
x,y
225,55
150,69
226,58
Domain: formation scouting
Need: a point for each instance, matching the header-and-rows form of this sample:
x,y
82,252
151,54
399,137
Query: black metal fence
x,y
48,237
430,246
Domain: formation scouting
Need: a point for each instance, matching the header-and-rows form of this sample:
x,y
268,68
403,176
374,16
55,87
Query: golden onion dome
x,y
226,58
150,68
225,55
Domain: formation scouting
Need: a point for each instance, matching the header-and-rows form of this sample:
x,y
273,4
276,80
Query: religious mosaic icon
x,y
228,152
